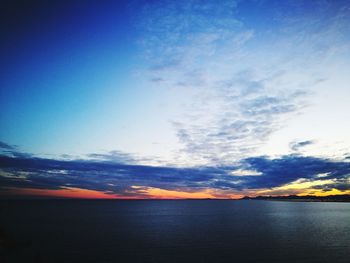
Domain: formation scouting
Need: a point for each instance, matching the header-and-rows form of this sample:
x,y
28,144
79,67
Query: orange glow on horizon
x,y
139,192
68,192
158,193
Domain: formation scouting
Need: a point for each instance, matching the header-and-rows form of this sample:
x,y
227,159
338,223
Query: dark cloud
x,y
342,186
277,172
157,80
11,150
296,145
6,146
119,178
102,176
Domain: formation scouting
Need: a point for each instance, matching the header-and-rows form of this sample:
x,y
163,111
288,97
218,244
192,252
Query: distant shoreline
x,y
308,198
290,198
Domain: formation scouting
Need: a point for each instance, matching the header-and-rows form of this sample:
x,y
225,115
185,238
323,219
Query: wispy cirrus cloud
x,y
113,156
242,123
244,79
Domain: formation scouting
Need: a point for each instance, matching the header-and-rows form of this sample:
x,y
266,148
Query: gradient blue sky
x,y
178,85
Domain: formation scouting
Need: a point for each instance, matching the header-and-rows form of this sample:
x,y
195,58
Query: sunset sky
x,y
174,99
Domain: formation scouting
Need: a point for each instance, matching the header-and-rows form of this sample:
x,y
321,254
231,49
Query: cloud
x,y
6,146
296,145
290,168
113,156
238,80
251,174
242,121
11,150
102,176
243,79
341,186
157,80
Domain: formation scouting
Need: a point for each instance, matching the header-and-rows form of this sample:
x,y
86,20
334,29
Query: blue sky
x,y
179,85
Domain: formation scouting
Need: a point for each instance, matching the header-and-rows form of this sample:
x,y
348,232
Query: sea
x,y
174,231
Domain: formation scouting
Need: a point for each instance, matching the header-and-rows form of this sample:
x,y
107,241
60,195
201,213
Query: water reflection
x,y
177,231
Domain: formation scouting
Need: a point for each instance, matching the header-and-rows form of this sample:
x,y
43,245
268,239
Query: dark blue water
x,y
174,231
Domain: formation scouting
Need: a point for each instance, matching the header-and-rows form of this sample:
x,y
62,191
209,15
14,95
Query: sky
x,y
174,99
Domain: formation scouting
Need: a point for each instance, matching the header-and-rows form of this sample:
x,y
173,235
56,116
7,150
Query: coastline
x,y
295,198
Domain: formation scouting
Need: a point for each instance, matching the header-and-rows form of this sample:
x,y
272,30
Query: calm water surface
x,y
174,231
